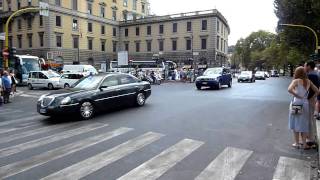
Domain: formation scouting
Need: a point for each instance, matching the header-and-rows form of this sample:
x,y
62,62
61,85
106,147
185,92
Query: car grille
x,y
47,101
207,79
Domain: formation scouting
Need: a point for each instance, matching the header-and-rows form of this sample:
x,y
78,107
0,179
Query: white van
x,y
68,79
43,79
84,69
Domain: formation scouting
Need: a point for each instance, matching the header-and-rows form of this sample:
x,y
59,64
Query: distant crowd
x,y
8,84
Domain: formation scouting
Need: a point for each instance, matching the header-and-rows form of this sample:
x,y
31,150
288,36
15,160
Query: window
x,y
90,44
137,31
114,32
103,45
19,24
40,21
110,81
89,11
42,76
127,46
221,43
137,47
134,4
30,40
218,26
149,30
19,41
174,45
143,8
161,29
218,43
174,27
29,23
125,16
74,4
127,80
75,24
204,25
126,32
76,42
58,21
58,2
161,45
125,3
89,27
114,1
18,4
102,11
41,39
59,40
114,15
114,46
203,43
103,29
149,46
188,44
29,2
189,26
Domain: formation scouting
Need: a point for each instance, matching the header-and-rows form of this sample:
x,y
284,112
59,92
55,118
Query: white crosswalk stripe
x,y
20,120
20,166
158,165
101,160
293,169
10,112
49,139
7,130
34,132
227,165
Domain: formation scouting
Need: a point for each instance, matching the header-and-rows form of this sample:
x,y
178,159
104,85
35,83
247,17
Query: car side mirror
x,y
103,87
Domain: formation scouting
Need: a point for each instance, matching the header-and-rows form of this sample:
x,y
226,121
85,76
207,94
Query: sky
x,y
243,16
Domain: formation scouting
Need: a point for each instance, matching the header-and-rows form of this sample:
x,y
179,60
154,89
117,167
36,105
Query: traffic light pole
x,y
309,28
16,13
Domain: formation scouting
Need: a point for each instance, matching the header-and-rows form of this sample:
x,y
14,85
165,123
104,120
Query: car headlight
x,y
65,101
41,97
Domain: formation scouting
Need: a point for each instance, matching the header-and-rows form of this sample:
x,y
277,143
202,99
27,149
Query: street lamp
x,y
309,28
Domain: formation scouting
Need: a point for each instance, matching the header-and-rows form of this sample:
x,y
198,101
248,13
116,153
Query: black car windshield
x,y
89,82
212,71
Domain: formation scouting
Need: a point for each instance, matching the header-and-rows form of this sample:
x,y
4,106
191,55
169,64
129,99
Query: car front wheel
x,y
66,85
140,99
50,86
86,110
219,86
30,86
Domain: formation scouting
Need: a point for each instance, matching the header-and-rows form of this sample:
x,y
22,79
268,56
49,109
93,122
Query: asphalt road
x,y
180,134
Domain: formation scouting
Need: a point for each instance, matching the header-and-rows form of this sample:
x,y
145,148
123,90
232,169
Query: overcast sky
x,y
243,16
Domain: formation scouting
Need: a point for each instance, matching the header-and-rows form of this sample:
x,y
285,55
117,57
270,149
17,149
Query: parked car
x,y
43,79
274,73
84,69
69,79
95,93
260,75
214,77
246,76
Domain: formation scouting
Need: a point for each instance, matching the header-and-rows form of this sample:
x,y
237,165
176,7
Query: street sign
x,y
2,36
44,9
123,58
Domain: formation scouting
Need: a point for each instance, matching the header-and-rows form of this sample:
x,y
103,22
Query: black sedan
x,y
95,93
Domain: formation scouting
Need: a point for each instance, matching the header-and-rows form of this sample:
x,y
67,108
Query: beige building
x,y
93,31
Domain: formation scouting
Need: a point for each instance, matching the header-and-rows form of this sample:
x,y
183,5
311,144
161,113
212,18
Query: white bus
x,y
144,66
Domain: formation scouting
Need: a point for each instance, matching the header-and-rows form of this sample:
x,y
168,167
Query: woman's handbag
x,y
296,109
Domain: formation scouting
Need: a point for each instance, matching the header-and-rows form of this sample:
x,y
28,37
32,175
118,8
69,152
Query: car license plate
x,y
204,82
43,111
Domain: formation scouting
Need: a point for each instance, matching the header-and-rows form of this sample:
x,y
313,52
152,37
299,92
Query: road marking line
x,y
34,132
5,123
157,166
293,169
105,158
226,165
49,139
24,165
2,131
28,95
10,112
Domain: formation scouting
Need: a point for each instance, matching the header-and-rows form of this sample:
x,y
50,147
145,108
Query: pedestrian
x,y
309,68
1,91
6,83
14,83
299,114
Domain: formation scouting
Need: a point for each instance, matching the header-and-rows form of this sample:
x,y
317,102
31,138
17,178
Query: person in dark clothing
x,y
6,82
314,78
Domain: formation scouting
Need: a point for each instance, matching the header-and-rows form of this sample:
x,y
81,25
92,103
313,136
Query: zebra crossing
x,y
224,166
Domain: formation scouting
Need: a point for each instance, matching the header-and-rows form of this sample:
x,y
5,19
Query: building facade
x,y
93,31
